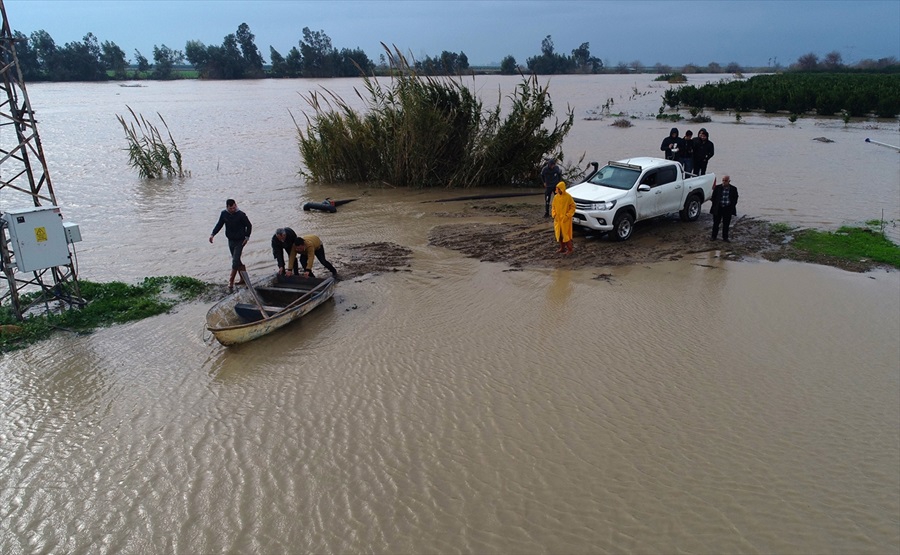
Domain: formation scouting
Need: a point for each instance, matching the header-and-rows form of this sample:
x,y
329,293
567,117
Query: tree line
x,y
238,57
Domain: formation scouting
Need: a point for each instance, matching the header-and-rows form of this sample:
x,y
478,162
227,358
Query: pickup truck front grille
x,y
583,204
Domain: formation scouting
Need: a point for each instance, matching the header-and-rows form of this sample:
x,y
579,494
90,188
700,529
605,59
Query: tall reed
x,y
148,151
424,131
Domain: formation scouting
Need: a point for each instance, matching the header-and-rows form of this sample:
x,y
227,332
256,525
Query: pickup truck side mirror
x,y
643,187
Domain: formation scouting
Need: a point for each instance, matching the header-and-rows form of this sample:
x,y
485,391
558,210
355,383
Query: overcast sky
x,y
671,32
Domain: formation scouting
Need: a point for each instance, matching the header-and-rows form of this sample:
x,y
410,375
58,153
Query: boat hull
x,y
283,300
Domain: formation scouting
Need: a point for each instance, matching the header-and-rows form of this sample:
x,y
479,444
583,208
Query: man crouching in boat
x,y
306,247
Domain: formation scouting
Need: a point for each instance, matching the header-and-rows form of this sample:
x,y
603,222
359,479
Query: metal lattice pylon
x,y
24,175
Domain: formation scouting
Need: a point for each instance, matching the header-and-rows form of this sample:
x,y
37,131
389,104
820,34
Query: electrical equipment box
x,y
38,238
73,232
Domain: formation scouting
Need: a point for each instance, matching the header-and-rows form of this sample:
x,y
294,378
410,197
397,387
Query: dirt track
x,y
525,239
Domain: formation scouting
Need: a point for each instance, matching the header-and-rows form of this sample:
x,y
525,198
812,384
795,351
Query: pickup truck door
x,y
671,190
645,200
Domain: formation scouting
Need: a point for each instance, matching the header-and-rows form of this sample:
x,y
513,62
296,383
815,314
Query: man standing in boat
x,y
306,247
237,230
283,242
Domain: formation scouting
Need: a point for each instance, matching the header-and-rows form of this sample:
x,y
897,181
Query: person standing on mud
x,y
563,210
306,247
686,152
550,176
671,145
237,230
724,200
703,151
283,242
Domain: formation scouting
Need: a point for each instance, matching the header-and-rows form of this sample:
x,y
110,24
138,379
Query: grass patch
x,y
107,304
849,243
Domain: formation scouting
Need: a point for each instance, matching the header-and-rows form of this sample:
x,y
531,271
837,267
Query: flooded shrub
x,y
424,131
622,122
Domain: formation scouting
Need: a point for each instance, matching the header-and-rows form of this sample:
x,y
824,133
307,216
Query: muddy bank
x,y
526,240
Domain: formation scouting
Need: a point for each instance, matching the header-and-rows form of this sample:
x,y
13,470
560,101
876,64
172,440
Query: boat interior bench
x,y
250,312
281,288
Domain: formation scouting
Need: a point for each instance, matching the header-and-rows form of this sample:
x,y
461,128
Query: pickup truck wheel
x,y
691,210
623,225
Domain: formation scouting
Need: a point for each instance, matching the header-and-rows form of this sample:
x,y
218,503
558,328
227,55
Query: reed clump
x,y
424,131
148,152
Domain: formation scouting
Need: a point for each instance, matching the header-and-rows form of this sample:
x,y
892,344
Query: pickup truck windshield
x,y
615,177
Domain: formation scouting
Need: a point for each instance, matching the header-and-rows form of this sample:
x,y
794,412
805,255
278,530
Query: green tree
x,y
318,54
582,60
253,60
143,64
198,55
279,66
508,66
45,51
549,62
166,59
348,60
113,59
79,61
294,63
27,56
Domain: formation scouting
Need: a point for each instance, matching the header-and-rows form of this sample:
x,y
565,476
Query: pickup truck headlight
x,y
606,205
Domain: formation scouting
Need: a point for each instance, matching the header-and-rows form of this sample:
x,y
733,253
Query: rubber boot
x,y
231,279
562,248
570,247
241,279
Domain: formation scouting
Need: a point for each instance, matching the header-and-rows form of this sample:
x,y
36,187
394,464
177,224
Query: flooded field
x,y
458,404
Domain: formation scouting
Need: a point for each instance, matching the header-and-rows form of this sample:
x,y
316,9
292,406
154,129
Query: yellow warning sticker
x,y
40,233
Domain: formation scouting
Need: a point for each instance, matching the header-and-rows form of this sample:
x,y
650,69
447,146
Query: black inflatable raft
x,y
326,205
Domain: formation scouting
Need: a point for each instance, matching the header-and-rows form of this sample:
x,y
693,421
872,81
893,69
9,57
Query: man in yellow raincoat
x,y
563,210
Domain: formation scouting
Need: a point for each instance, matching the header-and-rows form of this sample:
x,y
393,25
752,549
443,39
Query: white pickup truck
x,y
621,193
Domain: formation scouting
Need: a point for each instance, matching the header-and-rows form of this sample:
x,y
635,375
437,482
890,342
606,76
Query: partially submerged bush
x,y
148,152
427,131
676,77
622,122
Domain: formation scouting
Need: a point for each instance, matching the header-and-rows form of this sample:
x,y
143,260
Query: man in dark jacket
x,y
283,242
550,176
671,145
703,151
724,200
237,230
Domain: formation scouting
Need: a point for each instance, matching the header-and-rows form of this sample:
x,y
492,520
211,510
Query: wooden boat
x,y
265,306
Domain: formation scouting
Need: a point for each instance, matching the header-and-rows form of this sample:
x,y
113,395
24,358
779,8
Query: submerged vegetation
x,y
424,131
826,94
107,303
148,152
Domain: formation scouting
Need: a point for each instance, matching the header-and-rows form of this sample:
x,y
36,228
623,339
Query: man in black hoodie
x,y
671,145
703,151
237,230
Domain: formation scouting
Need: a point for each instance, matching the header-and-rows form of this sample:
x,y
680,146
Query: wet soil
x,y
527,241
